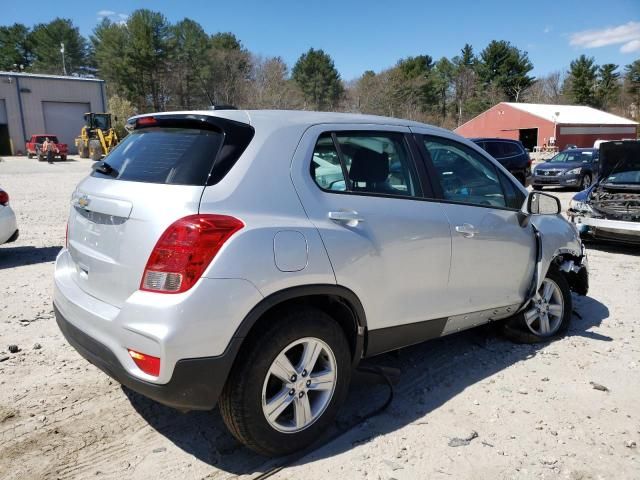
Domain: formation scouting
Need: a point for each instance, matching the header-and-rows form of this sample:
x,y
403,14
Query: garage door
x,y
65,119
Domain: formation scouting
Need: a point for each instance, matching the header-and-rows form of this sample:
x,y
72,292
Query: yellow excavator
x,y
98,137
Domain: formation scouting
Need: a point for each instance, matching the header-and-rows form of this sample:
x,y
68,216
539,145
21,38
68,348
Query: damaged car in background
x,y
610,208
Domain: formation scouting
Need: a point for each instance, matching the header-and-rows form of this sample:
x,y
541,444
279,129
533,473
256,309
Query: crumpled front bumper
x,y
605,229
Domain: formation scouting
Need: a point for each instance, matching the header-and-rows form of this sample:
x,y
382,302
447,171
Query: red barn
x,y
538,125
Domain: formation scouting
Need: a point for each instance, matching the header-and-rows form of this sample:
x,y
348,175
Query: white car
x,y
8,225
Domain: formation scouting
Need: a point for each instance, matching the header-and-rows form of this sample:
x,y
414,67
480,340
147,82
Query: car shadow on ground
x,y
26,255
431,374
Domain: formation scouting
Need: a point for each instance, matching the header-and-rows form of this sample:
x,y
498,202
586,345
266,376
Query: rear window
x,y
42,139
173,156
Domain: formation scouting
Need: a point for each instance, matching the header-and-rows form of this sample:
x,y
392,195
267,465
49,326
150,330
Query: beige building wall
x,y
33,90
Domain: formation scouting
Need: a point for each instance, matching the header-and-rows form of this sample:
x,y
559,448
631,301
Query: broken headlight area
x,y
613,205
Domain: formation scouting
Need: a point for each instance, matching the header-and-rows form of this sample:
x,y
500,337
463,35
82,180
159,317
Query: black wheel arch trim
x,y
343,294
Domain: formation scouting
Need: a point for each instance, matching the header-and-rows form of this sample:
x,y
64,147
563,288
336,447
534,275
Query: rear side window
x,y
364,162
511,149
326,169
172,156
494,149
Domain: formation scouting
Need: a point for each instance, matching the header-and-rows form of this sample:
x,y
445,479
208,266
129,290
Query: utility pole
x,y
64,66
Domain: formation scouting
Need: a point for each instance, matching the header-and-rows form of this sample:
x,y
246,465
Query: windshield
x,y
573,157
630,177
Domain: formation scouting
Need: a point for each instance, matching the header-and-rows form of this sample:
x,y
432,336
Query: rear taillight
x,y
4,197
185,250
147,363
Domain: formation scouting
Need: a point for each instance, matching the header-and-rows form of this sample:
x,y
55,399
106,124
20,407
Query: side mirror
x,y
539,203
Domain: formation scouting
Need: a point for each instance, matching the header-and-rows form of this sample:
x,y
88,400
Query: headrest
x,y
369,166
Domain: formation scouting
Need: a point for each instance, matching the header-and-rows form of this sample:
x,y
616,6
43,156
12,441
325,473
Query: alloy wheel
x,y
299,385
546,310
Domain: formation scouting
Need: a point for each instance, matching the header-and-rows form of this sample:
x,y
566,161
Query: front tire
x,y
288,383
547,315
585,182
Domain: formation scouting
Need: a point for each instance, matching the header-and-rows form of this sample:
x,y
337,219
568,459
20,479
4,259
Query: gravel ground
x,y
471,405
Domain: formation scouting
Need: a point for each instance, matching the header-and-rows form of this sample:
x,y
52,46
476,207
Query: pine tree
x,y
582,81
317,77
15,48
46,40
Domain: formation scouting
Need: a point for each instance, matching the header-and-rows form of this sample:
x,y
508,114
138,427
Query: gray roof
x,y
53,77
280,118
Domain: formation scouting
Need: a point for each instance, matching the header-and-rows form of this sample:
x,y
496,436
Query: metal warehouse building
x,y
32,104
539,125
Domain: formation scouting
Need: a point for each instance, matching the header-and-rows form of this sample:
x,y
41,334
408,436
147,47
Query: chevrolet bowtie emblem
x,y
84,201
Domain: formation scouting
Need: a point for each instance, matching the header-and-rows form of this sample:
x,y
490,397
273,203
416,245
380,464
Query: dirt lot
x,y
534,409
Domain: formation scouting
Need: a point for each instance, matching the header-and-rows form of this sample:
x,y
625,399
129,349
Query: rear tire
x,y
29,155
553,301
63,158
297,419
537,187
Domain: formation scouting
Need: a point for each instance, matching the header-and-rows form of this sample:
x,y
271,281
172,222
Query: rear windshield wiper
x,y
104,168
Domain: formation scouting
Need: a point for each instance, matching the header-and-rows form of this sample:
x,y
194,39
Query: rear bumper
x,y
196,383
193,334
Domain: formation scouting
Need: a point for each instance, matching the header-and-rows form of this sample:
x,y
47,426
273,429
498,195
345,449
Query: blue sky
x,y
362,35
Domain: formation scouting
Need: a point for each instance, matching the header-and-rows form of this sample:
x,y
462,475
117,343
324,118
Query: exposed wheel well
x,y
348,315
578,280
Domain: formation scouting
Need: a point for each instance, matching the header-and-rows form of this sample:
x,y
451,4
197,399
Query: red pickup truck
x,y
34,146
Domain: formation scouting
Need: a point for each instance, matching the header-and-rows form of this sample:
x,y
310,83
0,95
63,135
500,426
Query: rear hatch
x,y
154,177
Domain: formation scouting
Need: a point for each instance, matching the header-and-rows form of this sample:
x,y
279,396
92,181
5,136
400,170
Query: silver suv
x,y
251,259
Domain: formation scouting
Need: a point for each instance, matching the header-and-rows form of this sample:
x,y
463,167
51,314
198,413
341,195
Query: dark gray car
x,y
577,167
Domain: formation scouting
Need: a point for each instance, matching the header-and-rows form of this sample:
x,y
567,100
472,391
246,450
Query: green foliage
x,y
582,81
15,48
318,79
152,65
506,68
189,65
608,84
45,40
229,69
632,79
110,45
122,110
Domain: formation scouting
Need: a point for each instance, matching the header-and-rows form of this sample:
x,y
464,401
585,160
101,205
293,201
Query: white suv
x,y
253,258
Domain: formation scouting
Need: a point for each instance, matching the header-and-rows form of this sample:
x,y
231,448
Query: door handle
x,y
349,218
467,230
